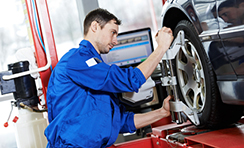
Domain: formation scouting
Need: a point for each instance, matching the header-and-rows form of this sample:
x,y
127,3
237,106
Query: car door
x,y
232,35
207,14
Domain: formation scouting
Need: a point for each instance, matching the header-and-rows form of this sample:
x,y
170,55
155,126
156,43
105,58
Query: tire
x,y
197,86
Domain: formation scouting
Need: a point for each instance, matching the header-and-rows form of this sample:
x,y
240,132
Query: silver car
x,y
210,70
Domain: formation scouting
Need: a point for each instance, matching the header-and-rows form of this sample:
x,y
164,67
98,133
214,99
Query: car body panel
x,y
226,56
232,35
232,92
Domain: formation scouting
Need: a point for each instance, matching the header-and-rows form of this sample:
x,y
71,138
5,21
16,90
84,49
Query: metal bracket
x,y
176,106
167,81
178,43
179,106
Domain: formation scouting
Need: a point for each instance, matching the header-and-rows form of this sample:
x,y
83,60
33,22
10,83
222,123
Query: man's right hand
x,y
164,38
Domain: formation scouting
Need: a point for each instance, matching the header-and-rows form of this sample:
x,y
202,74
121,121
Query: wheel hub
x,y
196,74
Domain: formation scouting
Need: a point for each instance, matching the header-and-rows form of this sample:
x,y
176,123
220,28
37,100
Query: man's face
x,y
230,15
107,37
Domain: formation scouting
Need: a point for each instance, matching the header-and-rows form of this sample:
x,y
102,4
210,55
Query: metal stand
x,y
177,107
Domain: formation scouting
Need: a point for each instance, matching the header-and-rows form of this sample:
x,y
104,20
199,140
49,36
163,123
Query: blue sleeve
x,y
103,77
128,124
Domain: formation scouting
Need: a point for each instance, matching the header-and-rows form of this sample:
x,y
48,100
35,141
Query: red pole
x,y
39,51
164,1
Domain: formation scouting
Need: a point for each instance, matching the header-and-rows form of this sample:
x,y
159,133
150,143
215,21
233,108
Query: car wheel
x,y
197,86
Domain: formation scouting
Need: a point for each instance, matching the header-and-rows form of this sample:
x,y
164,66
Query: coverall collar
x,y
91,48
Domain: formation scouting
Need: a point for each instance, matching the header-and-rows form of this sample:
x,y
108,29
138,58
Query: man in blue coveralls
x,y
83,108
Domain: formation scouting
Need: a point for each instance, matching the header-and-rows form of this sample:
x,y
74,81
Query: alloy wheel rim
x,y
191,77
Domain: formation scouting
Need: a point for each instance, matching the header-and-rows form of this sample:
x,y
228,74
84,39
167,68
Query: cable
x,y
37,28
6,123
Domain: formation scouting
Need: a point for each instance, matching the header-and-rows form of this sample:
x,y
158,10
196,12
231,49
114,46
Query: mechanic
x,y
83,108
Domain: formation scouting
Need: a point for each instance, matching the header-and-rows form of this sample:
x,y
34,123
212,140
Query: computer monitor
x,y
133,48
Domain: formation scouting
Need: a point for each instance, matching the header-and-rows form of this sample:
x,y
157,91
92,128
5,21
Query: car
x,y
210,70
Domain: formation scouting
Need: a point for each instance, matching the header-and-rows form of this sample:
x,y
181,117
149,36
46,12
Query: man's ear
x,y
241,5
94,26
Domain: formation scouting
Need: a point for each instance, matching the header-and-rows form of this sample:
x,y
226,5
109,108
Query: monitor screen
x,y
133,48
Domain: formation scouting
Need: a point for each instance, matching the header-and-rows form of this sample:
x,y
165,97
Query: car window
x,y
206,11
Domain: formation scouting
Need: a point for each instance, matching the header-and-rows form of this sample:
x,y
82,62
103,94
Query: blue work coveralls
x,y
83,108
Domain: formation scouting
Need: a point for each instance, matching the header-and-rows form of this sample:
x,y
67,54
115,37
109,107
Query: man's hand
x,y
165,109
142,120
164,37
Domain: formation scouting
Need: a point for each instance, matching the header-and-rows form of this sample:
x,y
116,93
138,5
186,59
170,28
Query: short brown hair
x,y
102,16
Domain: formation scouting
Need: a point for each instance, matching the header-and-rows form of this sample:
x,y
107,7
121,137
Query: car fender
x,y
173,12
